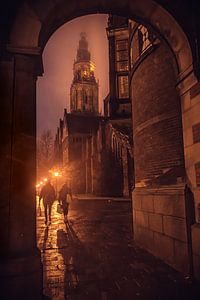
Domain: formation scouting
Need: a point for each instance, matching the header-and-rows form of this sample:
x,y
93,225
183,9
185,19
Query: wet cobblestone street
x,y
94,257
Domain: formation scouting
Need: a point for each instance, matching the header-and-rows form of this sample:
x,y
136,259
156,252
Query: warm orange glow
x,y
56,174
45,179
41,182
61,66
92,66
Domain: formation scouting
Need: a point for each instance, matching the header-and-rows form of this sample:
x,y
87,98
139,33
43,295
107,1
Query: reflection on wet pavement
x,y
93,257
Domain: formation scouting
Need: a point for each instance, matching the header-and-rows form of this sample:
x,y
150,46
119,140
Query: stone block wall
x,y
160,224
196,249
189,90
165,110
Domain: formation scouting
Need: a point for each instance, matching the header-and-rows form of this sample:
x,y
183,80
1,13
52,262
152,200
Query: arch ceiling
x,y
33,22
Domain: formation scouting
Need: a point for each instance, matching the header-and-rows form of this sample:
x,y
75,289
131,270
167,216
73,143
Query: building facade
x,y
94,151
117,105
76,138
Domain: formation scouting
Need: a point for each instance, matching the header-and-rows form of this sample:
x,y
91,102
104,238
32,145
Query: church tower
x,y
84,88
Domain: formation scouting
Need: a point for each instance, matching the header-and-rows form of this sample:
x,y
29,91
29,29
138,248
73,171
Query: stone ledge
x,y
177,189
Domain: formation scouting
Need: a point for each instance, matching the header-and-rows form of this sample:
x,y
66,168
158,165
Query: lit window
x,y
121,45
123,90
144,40
122,66
122,55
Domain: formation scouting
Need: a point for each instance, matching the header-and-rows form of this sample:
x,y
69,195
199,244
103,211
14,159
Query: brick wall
x,y
157,123
159,215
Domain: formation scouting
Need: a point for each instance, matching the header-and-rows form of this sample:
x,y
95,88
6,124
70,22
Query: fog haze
x,y
53,88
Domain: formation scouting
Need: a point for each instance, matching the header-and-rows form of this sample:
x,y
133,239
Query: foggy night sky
x,y
53,89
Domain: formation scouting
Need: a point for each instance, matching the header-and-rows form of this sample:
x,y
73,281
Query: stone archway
x,y
34,24
20,66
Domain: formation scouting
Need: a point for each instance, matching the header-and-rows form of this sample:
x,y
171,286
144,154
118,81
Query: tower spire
x,y
84,88
83,53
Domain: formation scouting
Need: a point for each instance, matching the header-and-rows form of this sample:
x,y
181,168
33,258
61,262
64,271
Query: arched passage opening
x,y
32,27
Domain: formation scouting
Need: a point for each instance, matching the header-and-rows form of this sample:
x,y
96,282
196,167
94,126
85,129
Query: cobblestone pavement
x,y
93,257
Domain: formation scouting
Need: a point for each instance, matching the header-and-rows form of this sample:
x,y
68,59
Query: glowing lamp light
x,y
56,174
45,179
41,182
92,67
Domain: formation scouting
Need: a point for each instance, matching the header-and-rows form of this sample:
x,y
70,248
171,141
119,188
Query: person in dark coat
x,y
63,193
48,195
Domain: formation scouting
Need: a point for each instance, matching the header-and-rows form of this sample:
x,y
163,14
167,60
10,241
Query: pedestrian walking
x,y
48,195
63,199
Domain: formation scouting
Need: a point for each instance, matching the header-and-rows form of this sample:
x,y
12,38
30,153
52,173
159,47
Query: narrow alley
x,y
93,257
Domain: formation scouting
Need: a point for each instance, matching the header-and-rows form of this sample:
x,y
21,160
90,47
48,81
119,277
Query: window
x,y
196,133
122,66
121,45
197,172
123,91
144,39
122,55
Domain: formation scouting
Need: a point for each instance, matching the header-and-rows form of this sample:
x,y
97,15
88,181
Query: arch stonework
x,y
21,62
35,24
